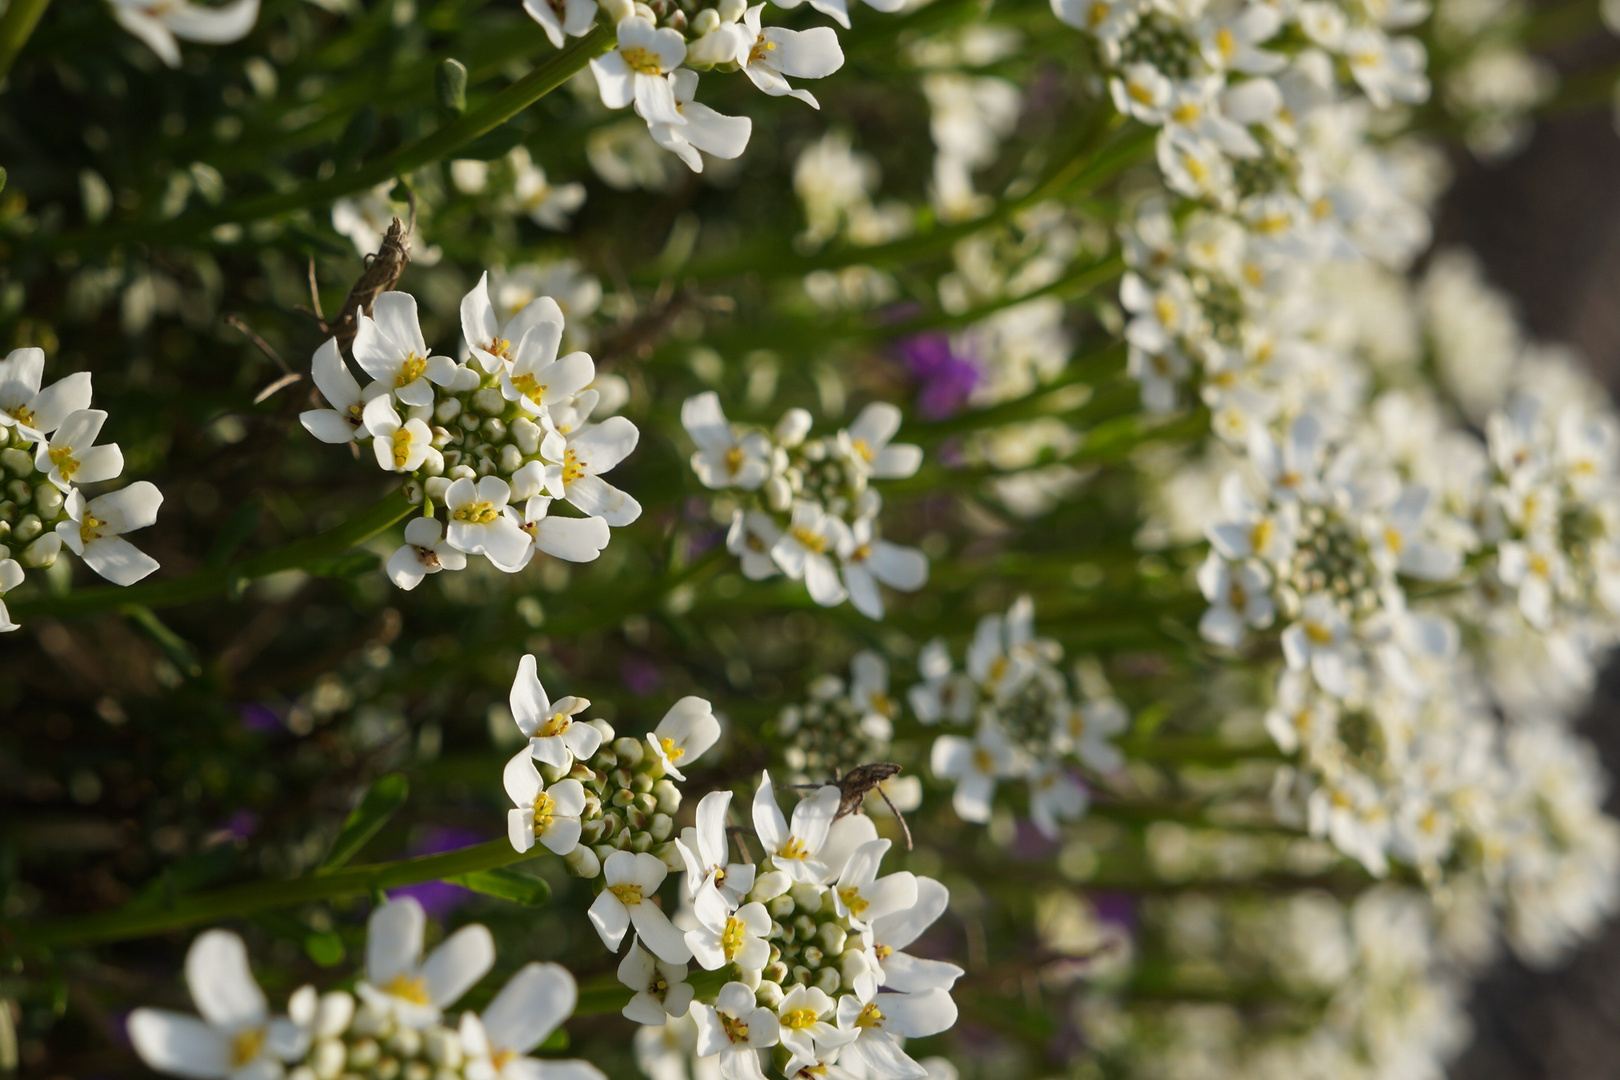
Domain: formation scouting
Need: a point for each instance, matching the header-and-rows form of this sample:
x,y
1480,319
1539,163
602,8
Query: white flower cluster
x,y
1026,721
841,725
659,52
47,449
509,427
396,1029
811,512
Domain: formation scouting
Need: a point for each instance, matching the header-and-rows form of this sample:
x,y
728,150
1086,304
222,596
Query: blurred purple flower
x,y
640,675
259,717
439,898
947,379
1115,907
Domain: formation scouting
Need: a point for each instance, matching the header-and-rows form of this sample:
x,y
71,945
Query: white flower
x,y
1230,43
345,420
424,552
752,537
1393,544
399,446
536,999
70,457
548,205
879,1024
1387,71
704,849
549,815
794,849
1537,569
480,525
661,987
726,137
1085,731
536,376
944,694
555,738
769,54
722,459
94,530
803,1016
11,576
867,560
838,11
1320,641
32,411
570,538
685,732
236,1037
1239,597
890,934
722,937
491,343
975,764
803,551
629,882
866,443
558,17
389,346
576,462
400,983
735,1028
635,70
1054,796
862,895
159,22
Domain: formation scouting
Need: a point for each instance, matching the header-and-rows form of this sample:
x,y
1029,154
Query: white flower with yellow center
x,y
751,538
547,815
769,55
573,18
661,989
897,970
95,530
866,444
794,848
1319,641
805,551
803,1015
479,524
71,456
534,1001
725,137
634,72
868,560
737,1029
630,884
402,446
725,937
876,1027
389,346
400,983
548,205
36,413
424,552
345,421
571,538
685,732
724,460
555,737
862,896
492,343
236,1038
536,377
975,764
705,851
576,460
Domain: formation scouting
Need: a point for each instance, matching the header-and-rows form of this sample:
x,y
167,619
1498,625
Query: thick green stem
x,y
211,581
16,26
545,78
241,900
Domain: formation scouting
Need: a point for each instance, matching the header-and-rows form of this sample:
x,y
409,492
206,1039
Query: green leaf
x,y
175,647
507,884
380,802
357,137
352,564
450,83
238,527
324,947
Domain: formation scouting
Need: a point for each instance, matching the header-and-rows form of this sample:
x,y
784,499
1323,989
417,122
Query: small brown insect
x,y
382,272
861,781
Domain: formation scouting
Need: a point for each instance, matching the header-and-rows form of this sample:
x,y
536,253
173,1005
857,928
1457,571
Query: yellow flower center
x,y
853,900
1260,535
572,468
642,61
870,1017
544,807
629,895
1096,14
813,541
793,849
477,513
410,370
245,1046
65,462
799,1019
1186,113
1319,634
1139,93
23,415
501,347
1226,42
412,988
863,450
883,951
732,938
402,447
88,527
761,47
734,460
983,761
559,723
525,385
671,751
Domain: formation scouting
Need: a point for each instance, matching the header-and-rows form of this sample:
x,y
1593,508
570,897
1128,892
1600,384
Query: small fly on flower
x,y
861,781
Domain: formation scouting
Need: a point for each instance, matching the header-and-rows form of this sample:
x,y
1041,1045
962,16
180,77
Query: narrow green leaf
x,y
379,803
175,647
238,527
507,884
323,947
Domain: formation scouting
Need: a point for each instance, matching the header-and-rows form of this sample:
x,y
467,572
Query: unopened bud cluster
x,y
840,725
630,803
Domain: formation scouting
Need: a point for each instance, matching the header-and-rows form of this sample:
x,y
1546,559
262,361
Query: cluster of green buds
x,y
630,803
840,725
811,942
375,1046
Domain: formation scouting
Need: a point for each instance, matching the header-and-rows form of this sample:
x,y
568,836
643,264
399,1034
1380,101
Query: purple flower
x,y
259,717
947,380
438,898
640,675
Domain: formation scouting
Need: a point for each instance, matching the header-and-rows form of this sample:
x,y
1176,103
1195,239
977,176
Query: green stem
x,y
545,77
212,580
16,25
241,900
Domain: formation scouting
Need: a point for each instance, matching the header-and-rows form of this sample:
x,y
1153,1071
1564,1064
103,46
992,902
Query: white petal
x,y
529,1007
460,961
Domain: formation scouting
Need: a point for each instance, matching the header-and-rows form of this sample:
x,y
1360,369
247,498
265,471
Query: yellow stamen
x,y
629,895
812,541
793,849
799,1019
412,988
65,462
246,1046
88,527
853,900
671,751
572,468
410,370
477,513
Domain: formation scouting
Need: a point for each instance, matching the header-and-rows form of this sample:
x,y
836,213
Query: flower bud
x,y
327,1058
812,956
781,907
832,938
770,885
583,862
731,10
43,551
442,1046
768,993
706,22
416,1070
511,460
364,1054
662,826
618,10
641,843
804,928
404,1042
17,461
602,851
775,971
447,409
604,727
489,401
778,495
628,751
807,897
48,499
526,433
828,981
793,427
